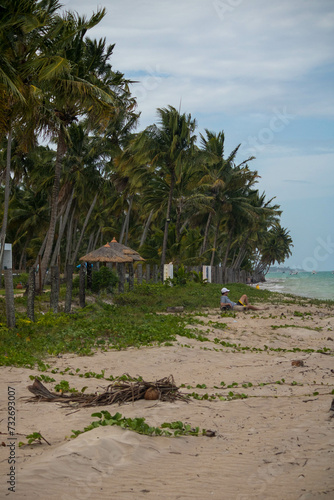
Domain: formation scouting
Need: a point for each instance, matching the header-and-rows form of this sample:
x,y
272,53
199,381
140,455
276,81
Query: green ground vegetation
x,y
133,319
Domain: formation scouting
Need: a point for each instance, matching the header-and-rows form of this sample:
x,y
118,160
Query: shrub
x,y
181,277
198,277
104,279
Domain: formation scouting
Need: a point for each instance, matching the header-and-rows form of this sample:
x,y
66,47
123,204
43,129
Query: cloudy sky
x,y
262,71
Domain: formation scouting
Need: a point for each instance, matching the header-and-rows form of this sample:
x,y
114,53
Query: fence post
x,y
140,273
148,271
89,276
10,307
242,276
228,278
131,276
155,273
31,294
213,274
121,276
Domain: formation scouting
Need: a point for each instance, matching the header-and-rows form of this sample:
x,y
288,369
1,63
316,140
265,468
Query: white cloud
x,y
238,56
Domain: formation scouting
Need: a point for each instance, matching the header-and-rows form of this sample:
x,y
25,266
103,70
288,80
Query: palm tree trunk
x,y
215,244
242,252
96,238
69,240
41,250
10,305
7,193
22,258
169,206
83,229
206,234
240,258
73,237
125,226
128,222
178,222
61,148
227,251
146,228
90,243
61,230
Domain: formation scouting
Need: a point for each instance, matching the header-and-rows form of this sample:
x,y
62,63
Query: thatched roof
x,y
112,252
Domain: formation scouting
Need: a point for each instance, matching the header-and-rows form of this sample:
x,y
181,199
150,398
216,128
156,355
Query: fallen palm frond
x,y
117,392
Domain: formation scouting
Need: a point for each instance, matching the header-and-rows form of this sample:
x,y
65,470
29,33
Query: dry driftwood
x,y
116,392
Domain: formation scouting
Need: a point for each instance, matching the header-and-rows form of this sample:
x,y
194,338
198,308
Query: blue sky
x,y
260,70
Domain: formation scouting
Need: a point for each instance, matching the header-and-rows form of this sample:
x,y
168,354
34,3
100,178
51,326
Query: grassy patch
x,y
134,320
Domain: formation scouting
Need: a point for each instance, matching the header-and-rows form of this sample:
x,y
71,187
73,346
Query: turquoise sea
x,y
306,284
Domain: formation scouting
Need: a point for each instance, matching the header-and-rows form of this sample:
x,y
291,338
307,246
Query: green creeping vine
x,y
316,328
35,437
139,425
239,347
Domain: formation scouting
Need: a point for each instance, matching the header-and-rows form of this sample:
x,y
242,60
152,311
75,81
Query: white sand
x,y
276,444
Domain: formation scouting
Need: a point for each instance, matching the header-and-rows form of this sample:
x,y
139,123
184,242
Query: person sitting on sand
x,y
242,304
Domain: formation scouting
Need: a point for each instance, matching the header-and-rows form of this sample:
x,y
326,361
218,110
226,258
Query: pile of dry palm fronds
x,y
117,392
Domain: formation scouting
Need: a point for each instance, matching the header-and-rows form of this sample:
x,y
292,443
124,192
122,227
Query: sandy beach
x,y
276,443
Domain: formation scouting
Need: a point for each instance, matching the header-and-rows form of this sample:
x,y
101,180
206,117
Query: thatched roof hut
x,y
113,252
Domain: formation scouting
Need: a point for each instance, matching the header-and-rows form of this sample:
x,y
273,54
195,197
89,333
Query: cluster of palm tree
x,y
75,173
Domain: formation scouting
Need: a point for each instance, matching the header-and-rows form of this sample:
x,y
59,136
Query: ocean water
x,y
305,284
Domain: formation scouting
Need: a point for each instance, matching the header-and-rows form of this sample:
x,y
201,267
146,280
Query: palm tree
x,y
168,149
275,246
21,35
261,215
31,179
222,180
85,87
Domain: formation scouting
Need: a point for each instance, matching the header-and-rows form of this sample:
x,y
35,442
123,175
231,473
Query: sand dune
x,y
275,444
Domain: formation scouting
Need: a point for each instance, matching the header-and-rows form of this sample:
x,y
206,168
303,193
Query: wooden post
x,y
148,273
213,274
140,273
54,295
10,307
82,291
121,276
31,294
155,273
229,275
242,276
131,276
69,282
89,276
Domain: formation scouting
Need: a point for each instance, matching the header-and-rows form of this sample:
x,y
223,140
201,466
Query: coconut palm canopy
x,y
112,252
